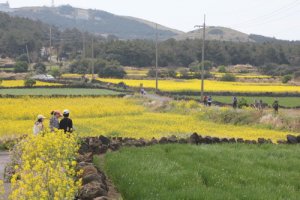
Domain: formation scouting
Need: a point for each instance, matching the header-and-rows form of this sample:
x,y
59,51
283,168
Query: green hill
x,y
95,21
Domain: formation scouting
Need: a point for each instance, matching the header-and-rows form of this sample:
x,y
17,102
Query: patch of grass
x,y
57,91
206,172
283,101
289,102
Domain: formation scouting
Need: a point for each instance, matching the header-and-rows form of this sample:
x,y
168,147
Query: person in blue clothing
x,y
209,101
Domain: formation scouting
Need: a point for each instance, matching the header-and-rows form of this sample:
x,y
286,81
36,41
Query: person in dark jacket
x,y
275,105
66,123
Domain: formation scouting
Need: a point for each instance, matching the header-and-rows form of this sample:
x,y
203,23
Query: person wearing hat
x,y
66,123
54,121
38,125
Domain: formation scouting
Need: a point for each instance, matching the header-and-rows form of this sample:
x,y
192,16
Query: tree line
x,y
17,33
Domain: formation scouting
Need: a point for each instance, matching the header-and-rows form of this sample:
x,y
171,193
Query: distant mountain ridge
x,y
125,27
227,34
95,21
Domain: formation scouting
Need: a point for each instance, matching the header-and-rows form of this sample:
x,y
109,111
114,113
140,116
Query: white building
x,y
4,7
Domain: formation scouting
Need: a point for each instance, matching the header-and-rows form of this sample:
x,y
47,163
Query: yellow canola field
x,y
210,85
20,83
245,76
117,117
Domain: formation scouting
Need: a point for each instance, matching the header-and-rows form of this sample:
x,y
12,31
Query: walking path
x,y
4,159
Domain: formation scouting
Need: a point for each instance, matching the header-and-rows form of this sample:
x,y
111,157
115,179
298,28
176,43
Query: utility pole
x,y
83,45
50,51
203,54
27,54
93,64
156,60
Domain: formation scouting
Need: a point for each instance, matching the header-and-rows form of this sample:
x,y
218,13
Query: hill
x,y
216,33
95,21
228,34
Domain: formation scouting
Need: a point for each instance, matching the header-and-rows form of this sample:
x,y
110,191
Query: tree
x,y
222,69
112,72
228,78
29,82
56,72
286,78
40,68
21,67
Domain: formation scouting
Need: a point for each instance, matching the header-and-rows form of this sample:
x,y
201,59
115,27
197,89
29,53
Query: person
x,y
261,105
209,101
205,100
234,102
66,123
38,125
143,92
256,104
54,120
276,106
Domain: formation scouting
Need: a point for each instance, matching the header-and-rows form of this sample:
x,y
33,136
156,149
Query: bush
x,y
21,67
1,80
29,82
228,78
22,58
242,103
40,68
112,72
222,69
55,72
286,78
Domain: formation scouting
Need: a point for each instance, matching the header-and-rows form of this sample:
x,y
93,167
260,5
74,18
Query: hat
x,y
66,112
41,117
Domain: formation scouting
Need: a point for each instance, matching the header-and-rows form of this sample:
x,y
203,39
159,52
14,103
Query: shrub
x,y
55,72
112,72
1,80
242,103
40,68
29,82
286,78
222,69
21,67
228,78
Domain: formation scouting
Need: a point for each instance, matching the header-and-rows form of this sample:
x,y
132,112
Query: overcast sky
x,y
274,18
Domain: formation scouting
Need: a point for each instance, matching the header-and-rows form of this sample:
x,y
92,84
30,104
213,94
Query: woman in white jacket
x,y
38,125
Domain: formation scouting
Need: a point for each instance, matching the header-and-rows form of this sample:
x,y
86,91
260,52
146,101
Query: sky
x,y
273,18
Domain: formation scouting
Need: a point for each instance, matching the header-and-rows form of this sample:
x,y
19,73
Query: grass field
x,y
57,91
289,102
207,172
119,117
283,101
211,86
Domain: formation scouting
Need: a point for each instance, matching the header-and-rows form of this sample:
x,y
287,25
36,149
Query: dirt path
x,y
4,159
156,97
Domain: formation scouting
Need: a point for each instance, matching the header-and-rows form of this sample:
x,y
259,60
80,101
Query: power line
x,y
265,17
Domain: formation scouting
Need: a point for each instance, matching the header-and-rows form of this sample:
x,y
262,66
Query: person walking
x,y
205,100
209,101
276,106
234,102
38,125
66,123
54,120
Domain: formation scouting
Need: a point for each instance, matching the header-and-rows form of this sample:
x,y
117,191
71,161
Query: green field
x,y
283,101
213,172
57,91
289,102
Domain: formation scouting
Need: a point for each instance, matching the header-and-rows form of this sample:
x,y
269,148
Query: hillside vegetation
x,y
94,21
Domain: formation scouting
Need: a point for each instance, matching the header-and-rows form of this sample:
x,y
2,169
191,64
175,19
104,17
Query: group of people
x,y
65,124
258,104
207,101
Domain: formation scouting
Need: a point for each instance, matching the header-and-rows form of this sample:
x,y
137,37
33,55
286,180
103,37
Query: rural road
x,y
4,159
